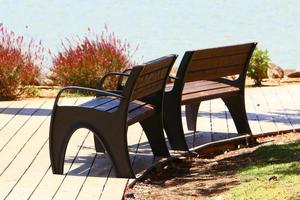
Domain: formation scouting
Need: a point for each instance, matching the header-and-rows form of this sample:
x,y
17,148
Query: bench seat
x,y
203,90
137,110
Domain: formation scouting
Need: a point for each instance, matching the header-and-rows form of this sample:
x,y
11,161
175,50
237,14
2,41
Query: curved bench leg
x,y
115,140
59,137
173,126
236,107
153,128
191,112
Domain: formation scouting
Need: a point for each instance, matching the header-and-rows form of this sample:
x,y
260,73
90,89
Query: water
x,y
165,26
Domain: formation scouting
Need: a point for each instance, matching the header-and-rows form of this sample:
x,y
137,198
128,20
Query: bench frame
x,y
234,100
145,83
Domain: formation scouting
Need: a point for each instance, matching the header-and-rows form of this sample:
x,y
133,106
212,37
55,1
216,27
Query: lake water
x,y
164,26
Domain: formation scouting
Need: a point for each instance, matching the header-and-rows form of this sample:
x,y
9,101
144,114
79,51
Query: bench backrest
x,y
214,63
153,77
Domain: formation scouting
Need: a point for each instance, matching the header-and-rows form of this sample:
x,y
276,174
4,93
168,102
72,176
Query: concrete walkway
x,y
25,167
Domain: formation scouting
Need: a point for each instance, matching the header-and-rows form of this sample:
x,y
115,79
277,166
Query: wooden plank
x,y
252,114
10,112
20,164
204,134
114,188
200,86
118,184
71,185
289,102
263,113
218,120
14,145
276,109
214,73
222,51
14,125
49,184
219,62
4,105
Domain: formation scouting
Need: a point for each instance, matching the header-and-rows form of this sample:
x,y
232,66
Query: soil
x,y
192,177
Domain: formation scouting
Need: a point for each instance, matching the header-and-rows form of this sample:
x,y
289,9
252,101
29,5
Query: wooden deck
x,y
25,167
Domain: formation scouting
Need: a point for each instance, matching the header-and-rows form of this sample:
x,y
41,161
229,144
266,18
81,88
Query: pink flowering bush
x,y
88,60
19,63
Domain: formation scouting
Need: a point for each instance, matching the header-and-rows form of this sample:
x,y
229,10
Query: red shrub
x,y
18,67
87,61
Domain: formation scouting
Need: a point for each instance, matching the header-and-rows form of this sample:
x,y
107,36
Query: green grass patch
x,y
273,173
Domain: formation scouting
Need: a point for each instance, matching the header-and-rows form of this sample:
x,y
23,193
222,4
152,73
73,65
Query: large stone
x,y
274,71
294,74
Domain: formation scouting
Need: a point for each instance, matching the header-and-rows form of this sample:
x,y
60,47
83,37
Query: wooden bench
x,y
111,112
201,76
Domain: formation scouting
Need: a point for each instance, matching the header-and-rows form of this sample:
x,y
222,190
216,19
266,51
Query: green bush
x,y
258,66
88,60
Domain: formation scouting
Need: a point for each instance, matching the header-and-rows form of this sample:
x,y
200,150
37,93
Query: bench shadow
x,y
26,111
99,164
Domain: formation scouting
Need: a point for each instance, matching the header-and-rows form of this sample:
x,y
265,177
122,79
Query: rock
x,y
130,195
44,79
274,71
294,74
273,178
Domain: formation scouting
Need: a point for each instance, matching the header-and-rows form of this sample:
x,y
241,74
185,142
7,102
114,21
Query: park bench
x,y
111,112
202,75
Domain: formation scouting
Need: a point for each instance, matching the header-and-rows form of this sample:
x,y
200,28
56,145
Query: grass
x,y
274,173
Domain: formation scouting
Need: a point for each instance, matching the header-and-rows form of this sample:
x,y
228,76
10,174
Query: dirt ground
x,y
192,177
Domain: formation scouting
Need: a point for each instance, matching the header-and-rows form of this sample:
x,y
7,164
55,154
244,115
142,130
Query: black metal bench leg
x,y
191,112
154,131
117,149
236,107
59,136
173,126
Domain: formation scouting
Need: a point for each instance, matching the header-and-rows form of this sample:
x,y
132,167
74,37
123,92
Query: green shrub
x,y
19,64
258,66
88,60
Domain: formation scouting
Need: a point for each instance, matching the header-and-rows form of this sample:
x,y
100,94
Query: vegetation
x,y
85,62
19,63
272,174
258,66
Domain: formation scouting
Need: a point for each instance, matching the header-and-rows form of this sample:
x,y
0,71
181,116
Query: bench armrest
x,y
99,92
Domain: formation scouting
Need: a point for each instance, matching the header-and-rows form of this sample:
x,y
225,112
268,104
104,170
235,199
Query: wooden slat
x,y
140,114
218,62
222,51
204,126
96,102
154,65
252,116
15,125
291,108
276,109
109,105
10,112
200,86
214,73
71,185
147,90
210,94
15,146
265,119
218,120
